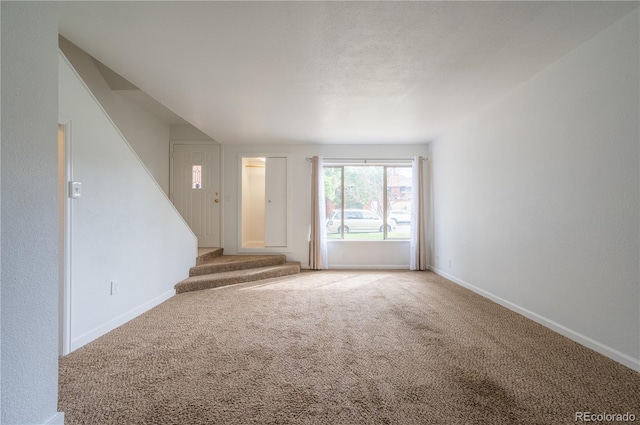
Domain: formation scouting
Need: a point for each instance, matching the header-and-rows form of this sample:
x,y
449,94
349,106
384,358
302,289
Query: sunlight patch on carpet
x,y
322,282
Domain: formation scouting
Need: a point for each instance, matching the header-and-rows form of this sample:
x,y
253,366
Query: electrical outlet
x,y
115,287
449,263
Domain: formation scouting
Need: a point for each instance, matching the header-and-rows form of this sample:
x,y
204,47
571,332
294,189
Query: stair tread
x,y
223,259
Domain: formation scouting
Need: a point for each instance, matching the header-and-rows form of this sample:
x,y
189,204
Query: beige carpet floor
x,y
339,347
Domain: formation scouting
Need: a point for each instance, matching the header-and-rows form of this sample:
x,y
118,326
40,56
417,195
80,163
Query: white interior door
x,y
196,190
275,211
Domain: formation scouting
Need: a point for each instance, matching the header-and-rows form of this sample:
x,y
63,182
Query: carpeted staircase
x,y
213,269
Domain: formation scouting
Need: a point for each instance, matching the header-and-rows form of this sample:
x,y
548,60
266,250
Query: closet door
x,y
275,220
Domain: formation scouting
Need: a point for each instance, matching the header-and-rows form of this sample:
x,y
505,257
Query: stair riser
x,y
250,277
233,266
209,256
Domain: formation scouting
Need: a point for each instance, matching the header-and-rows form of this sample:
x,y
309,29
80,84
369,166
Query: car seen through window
x,y
355,221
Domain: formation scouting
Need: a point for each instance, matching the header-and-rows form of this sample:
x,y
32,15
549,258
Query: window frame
x,y
386,165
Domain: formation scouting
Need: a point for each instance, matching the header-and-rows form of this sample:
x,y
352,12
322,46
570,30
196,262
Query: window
x,y
196,177
368,202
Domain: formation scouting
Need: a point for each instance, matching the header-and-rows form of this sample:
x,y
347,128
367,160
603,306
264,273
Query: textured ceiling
x,y
330,72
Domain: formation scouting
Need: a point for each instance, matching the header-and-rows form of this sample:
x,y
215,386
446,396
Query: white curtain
x,y
318,236
418,243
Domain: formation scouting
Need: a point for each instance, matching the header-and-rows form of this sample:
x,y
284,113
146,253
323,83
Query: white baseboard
x,y
119,320
622,358
57,419
369,267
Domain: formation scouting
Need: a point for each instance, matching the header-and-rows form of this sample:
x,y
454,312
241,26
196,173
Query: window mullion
x,y
384,202
342,202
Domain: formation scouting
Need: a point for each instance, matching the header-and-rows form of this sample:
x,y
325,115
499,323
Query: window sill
x,y
366,240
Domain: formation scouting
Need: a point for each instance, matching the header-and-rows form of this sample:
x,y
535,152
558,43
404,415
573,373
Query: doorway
x,y
253,179
264,202
195,189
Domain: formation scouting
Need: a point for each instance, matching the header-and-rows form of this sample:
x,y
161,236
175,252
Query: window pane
x,y
333,201
363,193
196,177
399,200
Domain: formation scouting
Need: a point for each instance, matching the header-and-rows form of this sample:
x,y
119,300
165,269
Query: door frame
x,y
278,250
65,231
220,173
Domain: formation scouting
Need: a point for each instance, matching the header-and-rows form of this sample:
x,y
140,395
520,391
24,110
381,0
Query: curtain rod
x,y
365,159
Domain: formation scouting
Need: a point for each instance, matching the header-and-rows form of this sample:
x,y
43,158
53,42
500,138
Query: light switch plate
x,y
75,190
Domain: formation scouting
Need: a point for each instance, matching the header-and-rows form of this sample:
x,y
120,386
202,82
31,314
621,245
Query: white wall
x,y
29,232
123,227
187,133
536,199
342,254
147,134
